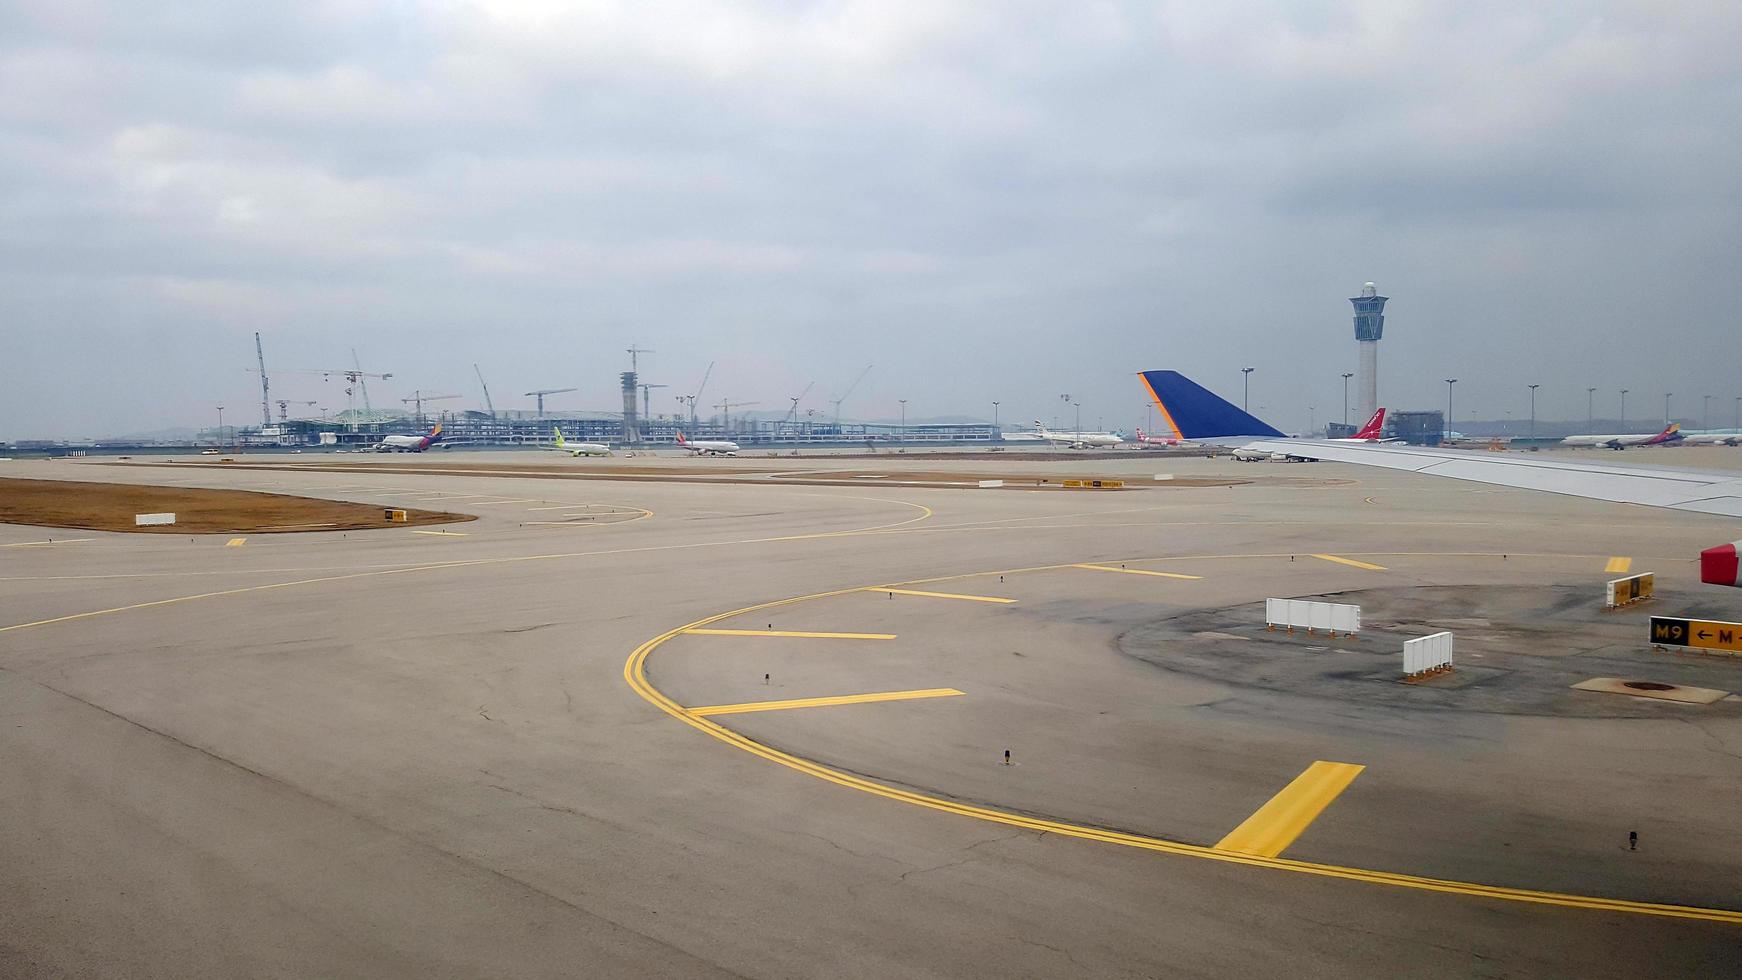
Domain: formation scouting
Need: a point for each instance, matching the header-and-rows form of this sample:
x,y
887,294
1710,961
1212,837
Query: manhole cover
x,y
1648,686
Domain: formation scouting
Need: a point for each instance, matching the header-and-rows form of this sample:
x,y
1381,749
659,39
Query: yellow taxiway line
x,y
1276,824
798,633
945,595
749,706
1620,566
44,544
1139,571
235,542
635,675
1352,562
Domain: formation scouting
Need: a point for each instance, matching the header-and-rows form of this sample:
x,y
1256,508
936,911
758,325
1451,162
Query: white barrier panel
x,y
1622,591
146,520
1427,653
1332,617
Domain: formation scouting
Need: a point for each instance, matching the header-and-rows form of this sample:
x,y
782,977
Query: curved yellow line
x,y
634,673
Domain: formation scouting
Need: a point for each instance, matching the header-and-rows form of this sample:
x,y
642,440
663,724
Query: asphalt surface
x,y
405,753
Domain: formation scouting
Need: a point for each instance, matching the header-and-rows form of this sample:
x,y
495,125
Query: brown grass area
x,y
111,507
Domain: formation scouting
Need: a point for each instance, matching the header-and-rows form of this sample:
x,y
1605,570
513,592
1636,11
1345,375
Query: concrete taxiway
x,y
758,728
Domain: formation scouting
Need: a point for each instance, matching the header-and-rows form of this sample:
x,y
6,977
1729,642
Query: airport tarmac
x,y
758,728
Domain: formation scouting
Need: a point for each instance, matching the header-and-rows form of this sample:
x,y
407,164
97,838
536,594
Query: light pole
x,y
220,425
1706,412
1246,388
1149,415
1449,383
1067,400
1624,410
1533,411
1666,408
1346,377
903,419
994,416
1739,414
1590,411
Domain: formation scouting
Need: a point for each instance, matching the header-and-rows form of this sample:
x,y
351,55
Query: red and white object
x,y
1718,566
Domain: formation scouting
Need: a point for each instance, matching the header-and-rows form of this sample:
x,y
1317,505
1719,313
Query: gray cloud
x,y
989,201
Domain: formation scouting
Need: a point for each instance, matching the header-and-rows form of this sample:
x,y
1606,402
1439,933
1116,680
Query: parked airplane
x,y
1078,440
1145,439
1713,439
708,447
576,448
410,444
1371,432
1197,413
1671,433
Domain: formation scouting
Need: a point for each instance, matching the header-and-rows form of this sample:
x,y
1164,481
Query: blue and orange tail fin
x,y
1192,411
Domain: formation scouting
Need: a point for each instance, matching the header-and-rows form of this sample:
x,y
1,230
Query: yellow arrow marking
x,y
235,542
1620,566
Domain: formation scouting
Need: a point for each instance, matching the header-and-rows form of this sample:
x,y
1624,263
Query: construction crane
x,y
418,398
792,416
633,351
540,393
644,390
284,408
353,378
726,406
849,391
487,402
699,389
265,398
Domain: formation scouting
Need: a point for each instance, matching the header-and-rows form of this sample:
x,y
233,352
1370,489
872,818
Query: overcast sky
x,y
997,200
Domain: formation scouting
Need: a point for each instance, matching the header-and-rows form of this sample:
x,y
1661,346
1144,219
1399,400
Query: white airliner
x,y
1078,440
1713,439
708,447
576,448
1671,433
410,444
1197,413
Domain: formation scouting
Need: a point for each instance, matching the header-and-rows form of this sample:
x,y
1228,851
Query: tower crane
x,y
849,391
418,398
353,379
792,416
699,389
284,408
487,402
644,407
726,405
540,393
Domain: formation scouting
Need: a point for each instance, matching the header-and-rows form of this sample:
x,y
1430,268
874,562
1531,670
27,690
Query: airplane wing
x,y
1692,490
1197,413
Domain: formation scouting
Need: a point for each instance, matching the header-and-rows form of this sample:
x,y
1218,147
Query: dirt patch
x,y
112,506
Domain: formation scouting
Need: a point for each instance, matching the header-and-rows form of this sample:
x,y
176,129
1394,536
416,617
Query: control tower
x,y
1369,327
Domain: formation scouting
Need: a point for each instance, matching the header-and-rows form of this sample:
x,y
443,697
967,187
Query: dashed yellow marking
x,y
1620,566
1276,824
235,542
445,534
1139,571
749,706
1352,562
798,633
945,595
